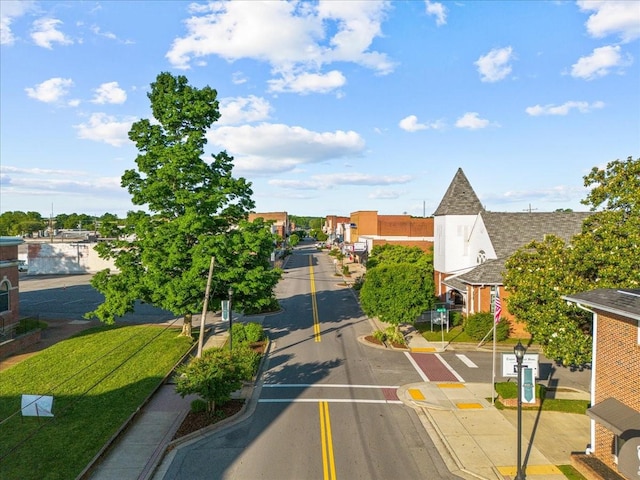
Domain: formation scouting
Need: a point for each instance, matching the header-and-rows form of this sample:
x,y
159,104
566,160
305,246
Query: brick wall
x,y
617,373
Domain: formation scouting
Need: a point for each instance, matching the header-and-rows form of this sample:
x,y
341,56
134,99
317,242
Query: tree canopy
x,y
195,210
606,254
399,286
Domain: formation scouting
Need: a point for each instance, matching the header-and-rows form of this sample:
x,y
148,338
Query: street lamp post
x,y
519,350
230,320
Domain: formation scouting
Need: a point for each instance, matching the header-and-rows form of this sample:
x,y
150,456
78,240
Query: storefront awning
x,y
615,416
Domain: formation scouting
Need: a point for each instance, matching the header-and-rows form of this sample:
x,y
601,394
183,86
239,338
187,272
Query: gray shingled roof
x,y
487,273
459,199
453,282
510,231
620,302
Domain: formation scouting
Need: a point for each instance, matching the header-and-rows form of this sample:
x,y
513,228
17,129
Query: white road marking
x,y
332,400
418,369
450,368
329,385
466,360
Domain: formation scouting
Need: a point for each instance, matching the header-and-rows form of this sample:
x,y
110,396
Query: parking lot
x,y
69,297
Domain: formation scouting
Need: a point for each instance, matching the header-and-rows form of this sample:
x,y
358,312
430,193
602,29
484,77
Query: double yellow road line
x,y
328,460
314,302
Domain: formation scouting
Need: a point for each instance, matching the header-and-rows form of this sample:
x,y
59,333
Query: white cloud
x,y
612,17
238,78
323,182
50,91
472,121
276,147
45,32
599,63
8,13
384,195
564,109
304,83
438,10
494,66
296,38
105,128
109,93
411,124
361,179
235,110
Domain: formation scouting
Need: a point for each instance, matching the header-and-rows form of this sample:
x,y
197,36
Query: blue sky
x,y
327,107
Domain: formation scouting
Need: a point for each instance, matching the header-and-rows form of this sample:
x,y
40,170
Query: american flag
x,y
497,310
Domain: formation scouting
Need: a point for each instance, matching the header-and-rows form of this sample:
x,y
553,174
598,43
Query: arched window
x,y
481,258
4,296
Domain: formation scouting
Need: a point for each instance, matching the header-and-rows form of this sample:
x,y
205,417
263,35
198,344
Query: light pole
x,y
519,350
230,320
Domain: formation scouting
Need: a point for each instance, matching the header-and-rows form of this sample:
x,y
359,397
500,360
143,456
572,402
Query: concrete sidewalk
x,y
476,440
479,441
139,449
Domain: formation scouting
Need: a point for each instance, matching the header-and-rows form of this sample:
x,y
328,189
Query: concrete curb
x,y
171,449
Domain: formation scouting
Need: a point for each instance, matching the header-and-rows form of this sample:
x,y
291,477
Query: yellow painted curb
x,y
423,349
531,470
450,385
467,406
416,394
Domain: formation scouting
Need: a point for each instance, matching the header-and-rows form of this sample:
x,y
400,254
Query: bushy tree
x,y
394,254
21,223
606,254
215,375
195,210
400,286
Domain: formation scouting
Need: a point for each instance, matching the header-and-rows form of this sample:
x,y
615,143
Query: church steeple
x,y
459,199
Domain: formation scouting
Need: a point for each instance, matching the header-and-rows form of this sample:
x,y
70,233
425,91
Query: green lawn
x,y
98,379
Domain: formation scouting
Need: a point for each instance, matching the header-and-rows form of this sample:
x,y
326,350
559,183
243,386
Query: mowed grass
x,y
98,379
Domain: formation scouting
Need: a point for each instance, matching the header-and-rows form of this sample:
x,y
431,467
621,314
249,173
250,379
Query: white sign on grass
x,y
37,406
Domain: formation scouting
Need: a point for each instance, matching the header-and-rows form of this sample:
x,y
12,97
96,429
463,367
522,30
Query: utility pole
x,y
205,306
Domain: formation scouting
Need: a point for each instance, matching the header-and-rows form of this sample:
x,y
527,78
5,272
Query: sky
x,y
327,107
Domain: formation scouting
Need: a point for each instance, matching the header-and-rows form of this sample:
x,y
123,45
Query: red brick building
x,y
9,285
615,381
280,220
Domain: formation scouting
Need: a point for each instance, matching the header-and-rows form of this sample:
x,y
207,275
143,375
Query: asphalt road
x,y
327,407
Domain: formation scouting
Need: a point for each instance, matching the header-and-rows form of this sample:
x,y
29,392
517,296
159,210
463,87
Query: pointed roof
x,y
459,199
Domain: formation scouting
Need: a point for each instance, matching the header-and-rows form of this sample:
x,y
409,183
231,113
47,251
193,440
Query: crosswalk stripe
x,y
466,360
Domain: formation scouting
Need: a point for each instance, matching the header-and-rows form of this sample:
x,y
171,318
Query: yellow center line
x,y
328,461
314,302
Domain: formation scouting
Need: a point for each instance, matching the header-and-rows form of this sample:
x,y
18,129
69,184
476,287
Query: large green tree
x,y
399,287
606,254
195,210
21,223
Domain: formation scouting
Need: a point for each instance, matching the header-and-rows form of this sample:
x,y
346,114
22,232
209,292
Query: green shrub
x,y
215,375
238,333
345,270
456,319
198,405
253,332
248,359
479,324
28,324
394,335
380,336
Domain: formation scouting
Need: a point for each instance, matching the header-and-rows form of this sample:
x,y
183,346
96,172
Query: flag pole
x,y
497,313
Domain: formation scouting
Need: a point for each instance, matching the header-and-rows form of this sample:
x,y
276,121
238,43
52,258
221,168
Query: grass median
x,y
98,379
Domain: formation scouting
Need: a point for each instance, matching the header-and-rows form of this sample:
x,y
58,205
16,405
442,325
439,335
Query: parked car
x,y
22,266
